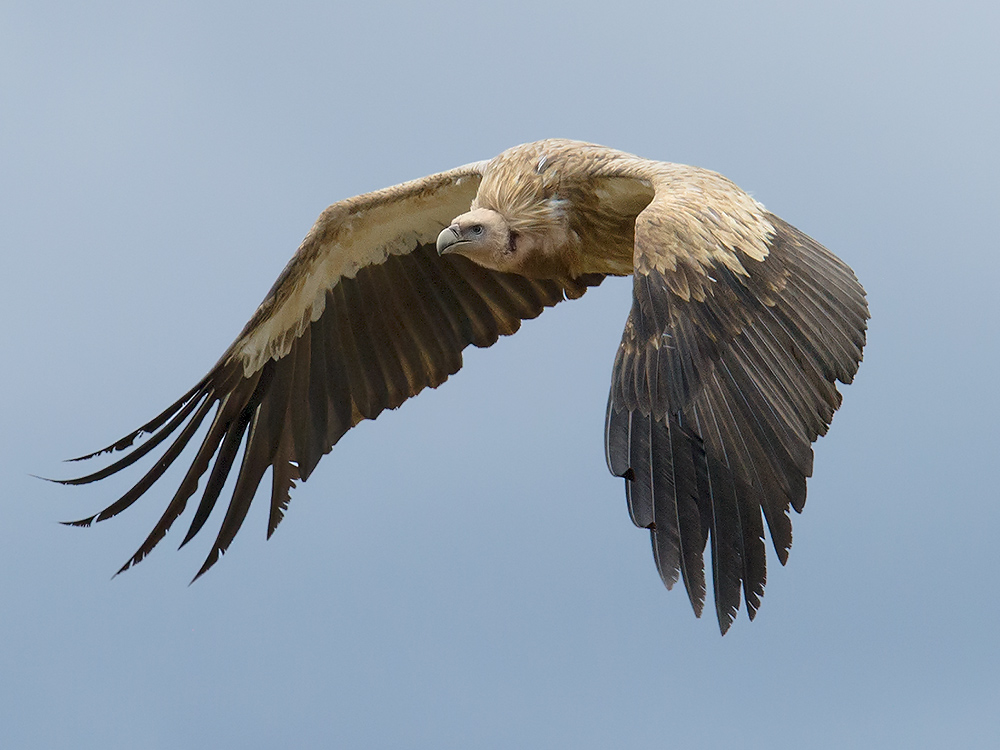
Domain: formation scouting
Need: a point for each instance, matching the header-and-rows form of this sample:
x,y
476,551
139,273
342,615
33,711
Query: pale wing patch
x,y
622,196
717,218
349,236
698,221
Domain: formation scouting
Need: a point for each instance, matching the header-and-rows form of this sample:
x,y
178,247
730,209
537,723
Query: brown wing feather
x,y
725,376
385,334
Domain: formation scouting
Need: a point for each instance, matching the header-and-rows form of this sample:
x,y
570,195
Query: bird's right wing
x,y
364,316
740,326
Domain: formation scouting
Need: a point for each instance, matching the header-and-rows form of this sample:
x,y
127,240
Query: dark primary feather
x,y
385,335
714,405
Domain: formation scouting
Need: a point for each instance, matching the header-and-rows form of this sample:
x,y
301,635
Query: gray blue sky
x,y
463,572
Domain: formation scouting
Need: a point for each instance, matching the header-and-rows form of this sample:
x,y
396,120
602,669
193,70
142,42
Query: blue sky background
x,y
463,572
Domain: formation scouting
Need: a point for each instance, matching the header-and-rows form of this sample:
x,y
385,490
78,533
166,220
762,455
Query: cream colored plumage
x,y
739,328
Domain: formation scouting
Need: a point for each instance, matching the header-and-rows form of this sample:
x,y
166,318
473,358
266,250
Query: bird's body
x,y
739,328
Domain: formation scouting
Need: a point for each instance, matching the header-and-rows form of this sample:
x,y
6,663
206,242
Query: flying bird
x,y
726,373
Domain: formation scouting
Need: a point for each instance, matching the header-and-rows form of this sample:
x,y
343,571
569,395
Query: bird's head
x,y
484,236
528,246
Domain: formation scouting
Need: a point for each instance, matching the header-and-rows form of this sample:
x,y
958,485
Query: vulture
x,y
739,329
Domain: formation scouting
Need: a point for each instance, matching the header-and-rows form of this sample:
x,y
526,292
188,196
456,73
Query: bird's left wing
x,y
739,329
364,316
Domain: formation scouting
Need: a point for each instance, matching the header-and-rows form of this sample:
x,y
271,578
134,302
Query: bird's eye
x,y
476,229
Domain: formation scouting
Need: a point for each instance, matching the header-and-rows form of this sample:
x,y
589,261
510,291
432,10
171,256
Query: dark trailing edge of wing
x,y
714,405
385,335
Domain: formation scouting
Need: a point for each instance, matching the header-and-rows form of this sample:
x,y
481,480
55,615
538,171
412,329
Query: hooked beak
x,y
449,240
